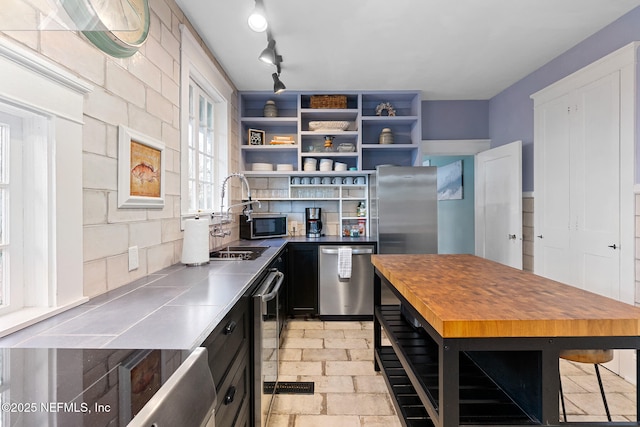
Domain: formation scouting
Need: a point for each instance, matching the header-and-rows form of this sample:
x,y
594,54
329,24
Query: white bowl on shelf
x,y
310,164
284,167
326,164
262,167
328,125
339,166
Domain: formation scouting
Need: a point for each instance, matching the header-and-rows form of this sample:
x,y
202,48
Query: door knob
x,y
512,237
539,236
614,246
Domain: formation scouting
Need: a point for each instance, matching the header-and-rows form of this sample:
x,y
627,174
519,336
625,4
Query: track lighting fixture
x,y
258,18
278,86
269,55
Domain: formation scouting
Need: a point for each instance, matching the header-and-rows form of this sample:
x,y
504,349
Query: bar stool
x,y
594,357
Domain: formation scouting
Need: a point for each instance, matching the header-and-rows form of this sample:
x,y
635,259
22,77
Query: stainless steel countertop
x,y
175,308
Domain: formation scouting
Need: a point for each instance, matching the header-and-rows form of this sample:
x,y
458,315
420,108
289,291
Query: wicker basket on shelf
x,y
328,101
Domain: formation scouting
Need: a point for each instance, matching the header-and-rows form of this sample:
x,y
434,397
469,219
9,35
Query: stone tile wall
x,y
143,93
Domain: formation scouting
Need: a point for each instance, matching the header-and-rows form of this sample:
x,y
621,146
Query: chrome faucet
x,y
248,210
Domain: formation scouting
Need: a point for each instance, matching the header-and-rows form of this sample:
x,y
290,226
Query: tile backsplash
x,y
278,187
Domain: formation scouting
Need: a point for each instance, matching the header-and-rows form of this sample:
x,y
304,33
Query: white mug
x,y
316,180
336,180
360,180
295,180
306,180
326,180
348,180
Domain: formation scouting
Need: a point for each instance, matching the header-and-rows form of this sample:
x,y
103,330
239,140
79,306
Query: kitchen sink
x,y
238,253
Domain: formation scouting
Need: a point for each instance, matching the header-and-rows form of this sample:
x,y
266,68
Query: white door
x,y
578,192
577,188
552,179
595,191
498,204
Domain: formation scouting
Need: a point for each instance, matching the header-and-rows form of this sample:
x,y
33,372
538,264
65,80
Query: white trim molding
x,y
35,84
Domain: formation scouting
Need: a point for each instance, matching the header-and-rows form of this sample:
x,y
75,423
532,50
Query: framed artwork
x,y
139,378
450,181
256,137
141,166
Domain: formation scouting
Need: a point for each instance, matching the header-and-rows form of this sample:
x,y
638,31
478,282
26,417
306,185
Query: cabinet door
x,y
552,183
228,340
303,279
595,185
577,203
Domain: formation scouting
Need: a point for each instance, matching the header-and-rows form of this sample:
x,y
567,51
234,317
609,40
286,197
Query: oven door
x,y
266,343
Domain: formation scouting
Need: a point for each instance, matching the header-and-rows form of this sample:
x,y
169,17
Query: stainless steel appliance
x,y
352,296
266,344
187,399
406,199
313,220
263,226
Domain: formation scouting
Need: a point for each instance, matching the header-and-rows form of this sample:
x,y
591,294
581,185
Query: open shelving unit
x,y
294,115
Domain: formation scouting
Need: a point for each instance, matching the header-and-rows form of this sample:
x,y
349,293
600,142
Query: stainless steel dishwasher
x,y
346,297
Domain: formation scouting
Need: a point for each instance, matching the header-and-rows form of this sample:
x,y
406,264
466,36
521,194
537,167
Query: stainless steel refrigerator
x,y
405,204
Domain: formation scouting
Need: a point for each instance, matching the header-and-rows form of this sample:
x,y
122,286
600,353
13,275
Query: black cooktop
x,y
76,387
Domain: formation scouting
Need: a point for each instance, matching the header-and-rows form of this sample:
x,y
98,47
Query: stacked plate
x,y
340,166
262,167
326,164
310,164
284,167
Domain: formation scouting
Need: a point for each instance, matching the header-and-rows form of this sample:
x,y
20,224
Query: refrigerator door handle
x,y
353,251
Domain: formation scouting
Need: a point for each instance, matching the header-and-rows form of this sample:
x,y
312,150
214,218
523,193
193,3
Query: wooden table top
x,y
464,296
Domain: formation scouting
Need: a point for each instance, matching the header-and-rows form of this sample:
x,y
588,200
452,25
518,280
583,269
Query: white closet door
x,y
552,183
595,190
578,208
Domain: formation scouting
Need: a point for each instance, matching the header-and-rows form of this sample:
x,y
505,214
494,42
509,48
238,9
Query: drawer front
x,y
226,341
233,396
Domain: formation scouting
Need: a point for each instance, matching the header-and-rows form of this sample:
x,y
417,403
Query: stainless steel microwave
x,y
263,226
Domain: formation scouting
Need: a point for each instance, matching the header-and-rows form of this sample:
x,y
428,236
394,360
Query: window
x,y
205,124
23,207
5,237
206,155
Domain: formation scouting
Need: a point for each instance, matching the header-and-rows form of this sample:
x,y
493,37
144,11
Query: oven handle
x,y
271,295
353,251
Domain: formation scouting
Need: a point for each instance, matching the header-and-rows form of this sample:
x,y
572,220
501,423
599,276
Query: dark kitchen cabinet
x,y
303,279
229,353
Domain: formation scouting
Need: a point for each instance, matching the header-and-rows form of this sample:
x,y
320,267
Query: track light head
x,y
258,18
278,86
269,55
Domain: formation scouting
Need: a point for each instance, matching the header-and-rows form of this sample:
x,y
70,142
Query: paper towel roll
x,y
195,246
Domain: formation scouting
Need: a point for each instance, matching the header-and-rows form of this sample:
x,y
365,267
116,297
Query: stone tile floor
x,y
338,357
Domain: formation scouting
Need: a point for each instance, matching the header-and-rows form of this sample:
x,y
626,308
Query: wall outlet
x,y
134,262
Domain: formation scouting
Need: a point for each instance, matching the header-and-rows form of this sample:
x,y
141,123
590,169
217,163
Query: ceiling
x,y
448,49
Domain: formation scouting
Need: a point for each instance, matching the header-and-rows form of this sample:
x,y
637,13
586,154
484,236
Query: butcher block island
x,y
474,342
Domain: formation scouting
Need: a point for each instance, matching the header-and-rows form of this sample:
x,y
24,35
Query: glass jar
x,y
328,143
